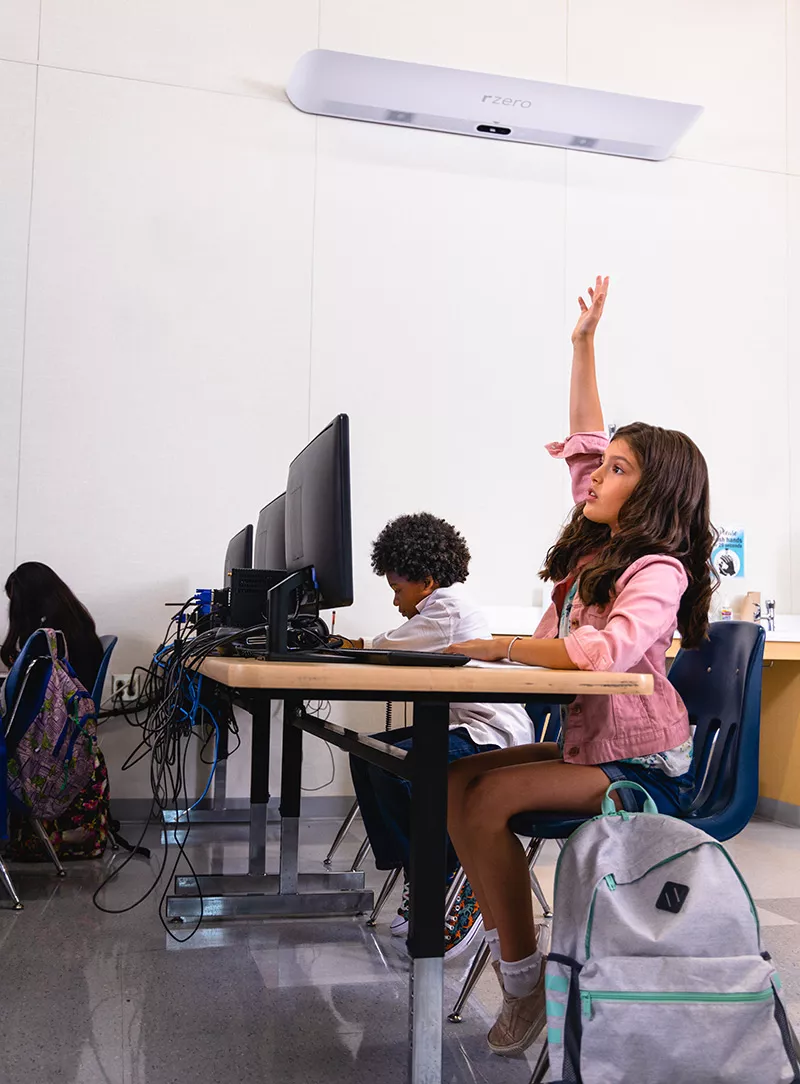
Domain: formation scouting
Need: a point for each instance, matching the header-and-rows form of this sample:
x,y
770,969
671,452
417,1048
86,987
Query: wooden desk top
x,y
521,681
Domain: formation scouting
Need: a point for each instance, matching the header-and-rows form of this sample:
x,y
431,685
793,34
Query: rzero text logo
x,y
495,99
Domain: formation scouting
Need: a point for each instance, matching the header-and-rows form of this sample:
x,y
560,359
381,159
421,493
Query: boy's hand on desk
x,y
357,644
484,650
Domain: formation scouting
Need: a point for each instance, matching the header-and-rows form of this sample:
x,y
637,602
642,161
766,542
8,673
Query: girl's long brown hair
x,y
668,513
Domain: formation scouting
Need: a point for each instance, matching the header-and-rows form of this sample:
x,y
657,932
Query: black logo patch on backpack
x,y
672,898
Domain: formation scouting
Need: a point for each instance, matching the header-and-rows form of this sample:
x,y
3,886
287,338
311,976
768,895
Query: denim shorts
x,y
671,793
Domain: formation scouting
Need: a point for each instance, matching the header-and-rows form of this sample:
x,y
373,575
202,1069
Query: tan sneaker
x,y
520,1021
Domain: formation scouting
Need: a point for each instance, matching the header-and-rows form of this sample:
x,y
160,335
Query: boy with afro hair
x,y
425,561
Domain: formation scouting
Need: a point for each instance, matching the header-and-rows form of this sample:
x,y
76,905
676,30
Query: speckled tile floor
x,y
93,998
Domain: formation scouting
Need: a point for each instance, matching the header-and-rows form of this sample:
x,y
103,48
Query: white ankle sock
x,y
493,941
521,976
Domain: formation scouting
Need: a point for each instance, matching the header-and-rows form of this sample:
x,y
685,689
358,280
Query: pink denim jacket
x,y
631,634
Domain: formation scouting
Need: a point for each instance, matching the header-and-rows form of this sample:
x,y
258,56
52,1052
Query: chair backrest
x,y
25,687
35,646
720,684
546,719
108,644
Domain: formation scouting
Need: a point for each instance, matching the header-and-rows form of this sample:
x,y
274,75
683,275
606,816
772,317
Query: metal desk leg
x,y
221,773
257,893
219,813
427,878
291,770
259,788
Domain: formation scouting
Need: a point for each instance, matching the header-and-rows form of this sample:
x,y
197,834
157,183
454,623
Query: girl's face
x,y
409,593
612,483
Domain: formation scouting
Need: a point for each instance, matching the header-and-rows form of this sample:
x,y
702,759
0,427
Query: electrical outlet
x,y
125,687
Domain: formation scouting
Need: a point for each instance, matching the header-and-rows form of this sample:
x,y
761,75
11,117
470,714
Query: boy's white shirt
x,y
448,616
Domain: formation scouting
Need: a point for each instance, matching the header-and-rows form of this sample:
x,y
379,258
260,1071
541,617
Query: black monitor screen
x,y
318,530
269,550
240,551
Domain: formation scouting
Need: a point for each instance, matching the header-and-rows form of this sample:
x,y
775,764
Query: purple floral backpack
x,y
54,759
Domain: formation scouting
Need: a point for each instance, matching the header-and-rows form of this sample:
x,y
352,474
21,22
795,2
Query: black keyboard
x,y
365,656
376,657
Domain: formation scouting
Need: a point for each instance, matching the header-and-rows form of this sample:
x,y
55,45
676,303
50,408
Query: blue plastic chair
x,y
720,684
546,719
108,644
25,686
20,681
5,877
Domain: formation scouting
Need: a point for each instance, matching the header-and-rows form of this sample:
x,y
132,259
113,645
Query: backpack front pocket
x,y
682,1020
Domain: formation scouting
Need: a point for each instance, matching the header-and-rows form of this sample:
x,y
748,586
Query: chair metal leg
x,y
479,963
532,853
459,880
385,892
5,879
358,861
391,880
38,827
542,1066
538,892
345,827
793,1037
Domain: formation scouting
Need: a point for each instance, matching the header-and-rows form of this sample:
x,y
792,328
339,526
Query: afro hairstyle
x,y
420,546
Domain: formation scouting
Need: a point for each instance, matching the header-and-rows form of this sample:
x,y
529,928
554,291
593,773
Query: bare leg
x,y
495,860
461,775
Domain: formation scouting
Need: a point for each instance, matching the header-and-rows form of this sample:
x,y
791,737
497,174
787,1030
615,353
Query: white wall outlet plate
x,y
125,687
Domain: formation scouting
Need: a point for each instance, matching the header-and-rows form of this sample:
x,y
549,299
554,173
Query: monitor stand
x,y
280,597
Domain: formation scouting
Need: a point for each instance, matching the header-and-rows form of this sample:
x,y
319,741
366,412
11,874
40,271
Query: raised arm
x,y
585,411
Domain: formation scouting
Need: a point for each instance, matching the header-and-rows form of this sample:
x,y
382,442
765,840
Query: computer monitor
x,y
318,526
240,551
269,549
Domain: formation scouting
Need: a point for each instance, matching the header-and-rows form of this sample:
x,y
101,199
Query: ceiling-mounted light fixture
x,y
487,106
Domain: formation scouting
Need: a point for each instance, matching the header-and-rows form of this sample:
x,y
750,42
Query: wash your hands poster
x,y
727,556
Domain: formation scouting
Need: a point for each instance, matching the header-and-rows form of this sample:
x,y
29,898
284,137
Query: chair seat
x,y
546,825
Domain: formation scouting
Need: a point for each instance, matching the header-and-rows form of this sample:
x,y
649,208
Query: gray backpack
x,y
657,974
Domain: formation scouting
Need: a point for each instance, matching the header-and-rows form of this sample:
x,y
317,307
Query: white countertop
x,y
522,621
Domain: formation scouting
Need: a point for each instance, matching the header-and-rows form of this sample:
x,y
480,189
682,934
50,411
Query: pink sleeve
x,y
644,611
583,453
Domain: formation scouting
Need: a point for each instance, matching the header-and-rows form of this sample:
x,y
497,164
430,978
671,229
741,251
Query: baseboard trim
x,y
313,806
770,809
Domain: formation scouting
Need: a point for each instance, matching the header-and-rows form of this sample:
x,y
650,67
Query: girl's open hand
x,y
485,650
590,314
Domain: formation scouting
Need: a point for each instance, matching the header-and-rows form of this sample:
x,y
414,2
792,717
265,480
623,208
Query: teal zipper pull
x,y
586,1004
611,882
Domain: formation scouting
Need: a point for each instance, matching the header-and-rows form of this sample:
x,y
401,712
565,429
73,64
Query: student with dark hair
x,y
632,564
426,561
38,598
